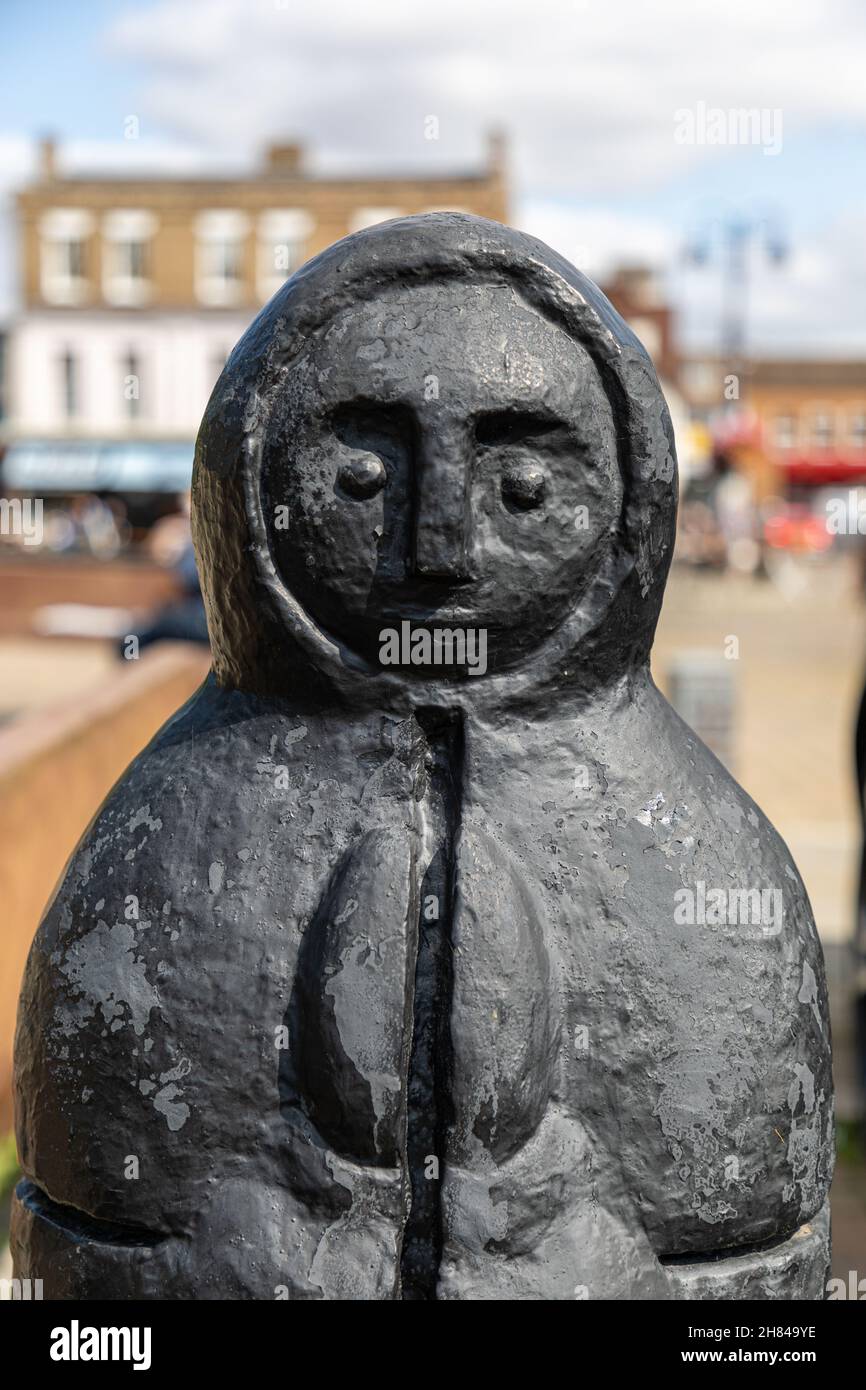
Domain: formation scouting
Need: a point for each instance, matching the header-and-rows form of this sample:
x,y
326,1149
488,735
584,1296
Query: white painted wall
x,y
178,356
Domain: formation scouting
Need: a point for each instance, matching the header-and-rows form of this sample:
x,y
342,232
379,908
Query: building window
x,y
63,234
126,242
784,431
369,217
702,381
71,258
131,369
69,384
649,333
858,430
282,234
219,263
822,429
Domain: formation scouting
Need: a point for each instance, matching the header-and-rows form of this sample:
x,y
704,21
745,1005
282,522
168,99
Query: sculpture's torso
x,y
407,983
552,1048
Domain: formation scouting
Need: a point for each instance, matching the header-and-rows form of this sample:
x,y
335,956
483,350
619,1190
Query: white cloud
x,y
595,239
813,303
588,88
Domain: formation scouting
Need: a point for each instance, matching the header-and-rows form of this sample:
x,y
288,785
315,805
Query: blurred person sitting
x,y
183,618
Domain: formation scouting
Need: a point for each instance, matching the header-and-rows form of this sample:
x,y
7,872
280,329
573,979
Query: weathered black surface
x,y
511,1071
858,948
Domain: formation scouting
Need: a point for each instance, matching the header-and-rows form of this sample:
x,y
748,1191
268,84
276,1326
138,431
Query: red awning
x,y
822,466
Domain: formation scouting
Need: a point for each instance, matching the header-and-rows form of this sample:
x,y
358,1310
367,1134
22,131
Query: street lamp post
x,y
734,246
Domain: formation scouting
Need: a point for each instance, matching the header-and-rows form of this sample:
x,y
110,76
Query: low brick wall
x,y
56,768
30,582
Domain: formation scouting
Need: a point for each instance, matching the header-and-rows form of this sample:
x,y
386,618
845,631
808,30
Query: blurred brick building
x,y
808,417
135,289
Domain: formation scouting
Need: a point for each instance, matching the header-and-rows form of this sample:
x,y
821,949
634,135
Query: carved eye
x,y
524,485
363,476
500,427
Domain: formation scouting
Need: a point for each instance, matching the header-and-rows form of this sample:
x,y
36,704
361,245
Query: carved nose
x,y
442,509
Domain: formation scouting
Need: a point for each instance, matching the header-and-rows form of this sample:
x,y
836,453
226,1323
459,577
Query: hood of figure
x,y
437,469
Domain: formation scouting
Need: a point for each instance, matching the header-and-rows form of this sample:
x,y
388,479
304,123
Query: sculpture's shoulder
x,y
732,885
164,964
219,839
720,829
691,963
179,796
745,949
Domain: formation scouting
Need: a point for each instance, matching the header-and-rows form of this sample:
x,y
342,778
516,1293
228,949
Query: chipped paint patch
x,y
108,975
143,817
176,1112
809,990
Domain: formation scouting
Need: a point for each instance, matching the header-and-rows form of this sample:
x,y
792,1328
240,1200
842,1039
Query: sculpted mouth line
x,y
731,1252
80,1225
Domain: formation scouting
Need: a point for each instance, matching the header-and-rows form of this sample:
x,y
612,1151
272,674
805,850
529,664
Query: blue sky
x,y
56,74
586,91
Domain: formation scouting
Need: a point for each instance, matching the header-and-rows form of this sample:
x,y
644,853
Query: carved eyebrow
x,y
512,426
363,411
80,1225
376,427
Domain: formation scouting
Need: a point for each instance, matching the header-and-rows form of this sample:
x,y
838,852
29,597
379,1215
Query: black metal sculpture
x,y
426,954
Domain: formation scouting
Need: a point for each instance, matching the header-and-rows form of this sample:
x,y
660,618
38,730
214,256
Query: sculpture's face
x,y
443,455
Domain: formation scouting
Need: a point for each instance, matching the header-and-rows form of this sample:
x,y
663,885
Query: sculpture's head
x,y
436,452
436,424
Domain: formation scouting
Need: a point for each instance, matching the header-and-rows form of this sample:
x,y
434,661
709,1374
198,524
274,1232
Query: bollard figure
x,y
426,953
